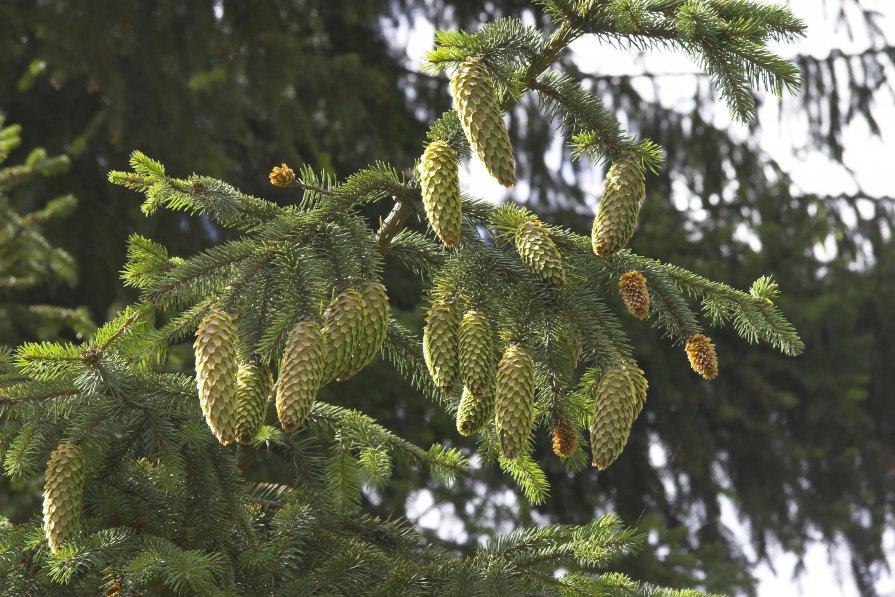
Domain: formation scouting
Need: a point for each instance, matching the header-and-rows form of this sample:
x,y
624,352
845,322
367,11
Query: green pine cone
x,y
623,193
344,323
216,367
618,400
476,351
440,346
63,492
440,185
539,254
301,374
515,400
474,411
253,384
478,108
376,327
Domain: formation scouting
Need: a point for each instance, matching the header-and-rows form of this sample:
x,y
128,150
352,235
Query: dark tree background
x,y
804,448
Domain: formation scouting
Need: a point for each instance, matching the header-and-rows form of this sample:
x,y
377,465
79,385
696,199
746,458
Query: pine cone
x,y
440,185
539,253
632,286
253,384
63,492
474,411
702,356
623,192
440,346
565,438
216,367
618,400
301,374
376,327
478,108
282,176
515,400
344,323
476,351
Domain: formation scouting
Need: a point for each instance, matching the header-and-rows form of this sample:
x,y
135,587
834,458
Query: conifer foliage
x,y
518,340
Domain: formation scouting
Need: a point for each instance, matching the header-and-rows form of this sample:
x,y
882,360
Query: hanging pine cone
x,y
281,176
374,331
515,400
539,253
440,346
632,286
301,374
476,352
440,186
616,404
623,193
474,411
565,438
216,367
702,356
478,108
253,384
344,323
63,492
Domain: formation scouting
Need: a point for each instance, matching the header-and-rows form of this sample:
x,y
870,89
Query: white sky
x,y
826,571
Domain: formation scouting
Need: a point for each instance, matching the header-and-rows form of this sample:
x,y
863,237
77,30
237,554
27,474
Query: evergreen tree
x,y
27,258
141,494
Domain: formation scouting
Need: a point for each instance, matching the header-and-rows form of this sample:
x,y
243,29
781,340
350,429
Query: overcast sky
x,y
871,160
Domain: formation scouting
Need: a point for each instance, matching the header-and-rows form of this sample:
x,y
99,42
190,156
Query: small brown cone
x,y
632,286
63,493
515,400
253,384
440,346
281,176
539,253
344,324
440,187
301,374
565,438
216,368
702,356
623,193
478,108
